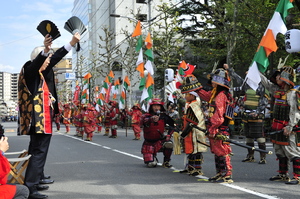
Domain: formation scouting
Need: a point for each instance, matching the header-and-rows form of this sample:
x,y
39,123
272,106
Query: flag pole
x,y
125,112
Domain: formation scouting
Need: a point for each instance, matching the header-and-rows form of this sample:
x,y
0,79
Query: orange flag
x,y
123,94
111,74
140,68
148,41
117,82
138,30
149,81
107,80
87,76
126,80
268,42
101,96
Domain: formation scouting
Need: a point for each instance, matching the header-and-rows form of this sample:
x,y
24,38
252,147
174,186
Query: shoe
x,y
88,139
293,181
196,172
214,178
113,136
166,164
262,161
46,181
184,171
225,179
152,164
42,187
37,195
249,159
105,134
280,177
47,177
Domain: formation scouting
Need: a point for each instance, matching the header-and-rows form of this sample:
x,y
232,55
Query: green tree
x,y
167,42
228,30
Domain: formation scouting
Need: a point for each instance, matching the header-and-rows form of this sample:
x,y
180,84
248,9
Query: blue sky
x,y
18,21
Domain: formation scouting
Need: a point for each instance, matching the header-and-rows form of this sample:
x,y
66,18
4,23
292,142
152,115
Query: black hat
x,y
190,83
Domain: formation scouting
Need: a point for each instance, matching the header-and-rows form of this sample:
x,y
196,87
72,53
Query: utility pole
x,y
149,15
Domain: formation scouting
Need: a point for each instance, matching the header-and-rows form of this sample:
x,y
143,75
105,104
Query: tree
x,y
167,42
107,54
228,30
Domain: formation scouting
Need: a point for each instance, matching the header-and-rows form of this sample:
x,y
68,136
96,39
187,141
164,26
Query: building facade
x,y
105,43
8,93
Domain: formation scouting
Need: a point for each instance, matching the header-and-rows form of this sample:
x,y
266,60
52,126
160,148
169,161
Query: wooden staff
x,y
232,142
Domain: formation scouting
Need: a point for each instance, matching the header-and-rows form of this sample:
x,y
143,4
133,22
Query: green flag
x,y
150,92
149,54
139,44
142,83
261,59
283,7
99,101
105,85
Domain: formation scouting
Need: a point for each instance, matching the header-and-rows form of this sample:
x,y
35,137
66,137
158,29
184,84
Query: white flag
x,y
149,67
140,58
277,25
145,94
253,76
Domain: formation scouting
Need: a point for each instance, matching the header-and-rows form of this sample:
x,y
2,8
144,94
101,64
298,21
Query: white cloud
x,y
7,68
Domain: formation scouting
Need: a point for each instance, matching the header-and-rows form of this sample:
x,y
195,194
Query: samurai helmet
x,y
190,83
157,101
221,77
136,105
112,103
287,75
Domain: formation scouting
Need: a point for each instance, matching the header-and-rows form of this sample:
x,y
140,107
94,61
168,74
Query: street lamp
x,y
121,16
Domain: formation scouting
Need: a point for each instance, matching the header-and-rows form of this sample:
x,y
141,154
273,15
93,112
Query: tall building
x,y
8,93
114,16
6,82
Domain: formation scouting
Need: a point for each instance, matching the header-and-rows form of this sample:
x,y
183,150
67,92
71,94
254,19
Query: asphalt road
x,y
114,168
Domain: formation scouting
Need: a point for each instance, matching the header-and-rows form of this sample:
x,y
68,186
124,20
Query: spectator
x,y
6,190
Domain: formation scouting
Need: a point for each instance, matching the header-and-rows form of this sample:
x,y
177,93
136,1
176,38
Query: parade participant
x,y
220,113
37,101
173,113
113,121
77,119
89,122
57,118
192,136
136,115
286,115
156,141
254,105
123,118
106,119
99,116
67,114
7,191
